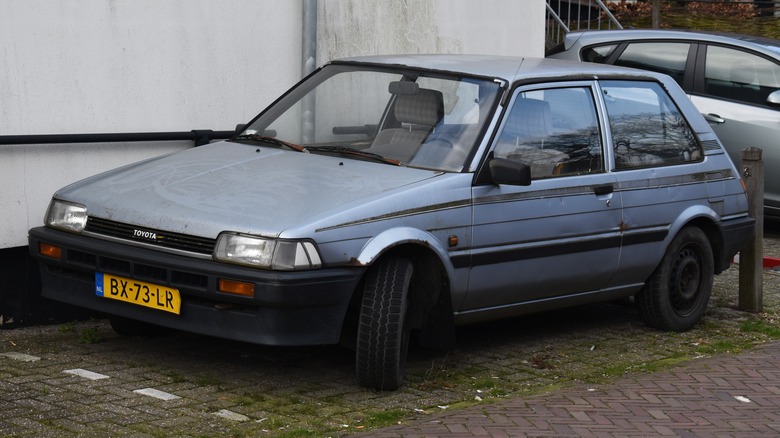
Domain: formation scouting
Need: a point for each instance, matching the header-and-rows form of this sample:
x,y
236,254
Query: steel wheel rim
x,y
685,281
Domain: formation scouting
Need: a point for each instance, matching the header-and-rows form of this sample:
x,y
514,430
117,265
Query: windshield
x,y
399,117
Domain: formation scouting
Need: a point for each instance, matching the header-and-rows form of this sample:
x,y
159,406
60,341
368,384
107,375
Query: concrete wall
x,y
100,66
366,27
142,65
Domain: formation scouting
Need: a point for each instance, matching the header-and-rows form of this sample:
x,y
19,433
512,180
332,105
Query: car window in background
x,y
647,128
597,54
554,131
740,76
664,57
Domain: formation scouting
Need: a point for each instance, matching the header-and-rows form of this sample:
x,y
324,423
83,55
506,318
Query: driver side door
x,y
561,234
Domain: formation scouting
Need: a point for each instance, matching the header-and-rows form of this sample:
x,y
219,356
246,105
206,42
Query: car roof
x,y
508,68
590,37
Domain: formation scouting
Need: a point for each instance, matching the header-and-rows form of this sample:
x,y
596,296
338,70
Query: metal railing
x,y
564,16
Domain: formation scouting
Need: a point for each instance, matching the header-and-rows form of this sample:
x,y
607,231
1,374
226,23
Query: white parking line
x,y
86,374
230,415
20,356
156,393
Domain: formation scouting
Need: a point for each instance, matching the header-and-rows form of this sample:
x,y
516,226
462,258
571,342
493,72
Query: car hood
x,y
236,187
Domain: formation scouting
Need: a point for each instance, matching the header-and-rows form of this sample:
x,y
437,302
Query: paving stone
x,y
638,405
91,375
22,357
230,415
156,393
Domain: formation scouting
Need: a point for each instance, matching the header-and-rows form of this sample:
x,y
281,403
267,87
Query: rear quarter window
x,y
647,128
597,54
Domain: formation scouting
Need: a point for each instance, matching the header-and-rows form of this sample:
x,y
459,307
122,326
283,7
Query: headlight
x,y
282,255
66,216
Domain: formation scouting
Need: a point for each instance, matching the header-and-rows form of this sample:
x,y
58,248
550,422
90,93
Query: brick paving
x,y
725,396
181,385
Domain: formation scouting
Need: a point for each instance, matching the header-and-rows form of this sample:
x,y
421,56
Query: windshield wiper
x,y
271,140
352,151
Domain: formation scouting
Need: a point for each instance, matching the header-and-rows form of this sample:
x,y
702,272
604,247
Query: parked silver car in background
x,y
734,80
385,195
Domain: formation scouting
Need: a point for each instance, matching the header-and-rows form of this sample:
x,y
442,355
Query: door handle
x,y
714,118
603,190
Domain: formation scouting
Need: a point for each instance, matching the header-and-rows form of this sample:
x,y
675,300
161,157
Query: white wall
x,y
29,174
106,66
142,65
94,66
368,27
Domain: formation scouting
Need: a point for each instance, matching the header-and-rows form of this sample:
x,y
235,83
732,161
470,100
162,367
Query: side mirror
x,y
774,99
513,173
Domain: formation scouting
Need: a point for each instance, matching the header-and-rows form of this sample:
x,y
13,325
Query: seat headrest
x,y
426,107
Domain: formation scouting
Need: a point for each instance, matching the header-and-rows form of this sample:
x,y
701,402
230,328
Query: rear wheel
x,y
383,327
676,295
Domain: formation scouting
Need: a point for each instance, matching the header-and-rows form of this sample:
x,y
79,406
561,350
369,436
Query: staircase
x,y
564,16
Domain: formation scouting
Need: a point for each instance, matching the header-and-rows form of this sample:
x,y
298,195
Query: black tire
x,y
676,295
131,327
383,328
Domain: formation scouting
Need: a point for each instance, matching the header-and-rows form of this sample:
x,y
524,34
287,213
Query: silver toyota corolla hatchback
x,y
734,80
385,195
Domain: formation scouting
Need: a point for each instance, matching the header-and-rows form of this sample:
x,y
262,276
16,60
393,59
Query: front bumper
x,y
289,308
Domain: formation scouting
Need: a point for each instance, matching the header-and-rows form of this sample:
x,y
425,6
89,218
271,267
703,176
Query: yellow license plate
x,y
138,292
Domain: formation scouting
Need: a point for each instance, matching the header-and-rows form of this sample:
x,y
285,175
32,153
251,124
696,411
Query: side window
x,y
667,58
647,127
554,131
740,76
597,54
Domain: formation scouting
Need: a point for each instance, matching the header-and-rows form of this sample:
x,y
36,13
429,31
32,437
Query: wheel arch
x,y
715,236
706,220
430,291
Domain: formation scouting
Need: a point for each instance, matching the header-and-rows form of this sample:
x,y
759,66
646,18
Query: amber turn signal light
x,y
49,250
236,288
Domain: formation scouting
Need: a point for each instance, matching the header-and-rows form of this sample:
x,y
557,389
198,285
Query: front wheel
x,y
383,328
676,295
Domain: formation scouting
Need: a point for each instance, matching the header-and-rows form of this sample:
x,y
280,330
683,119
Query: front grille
x,y
85,264
183,242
